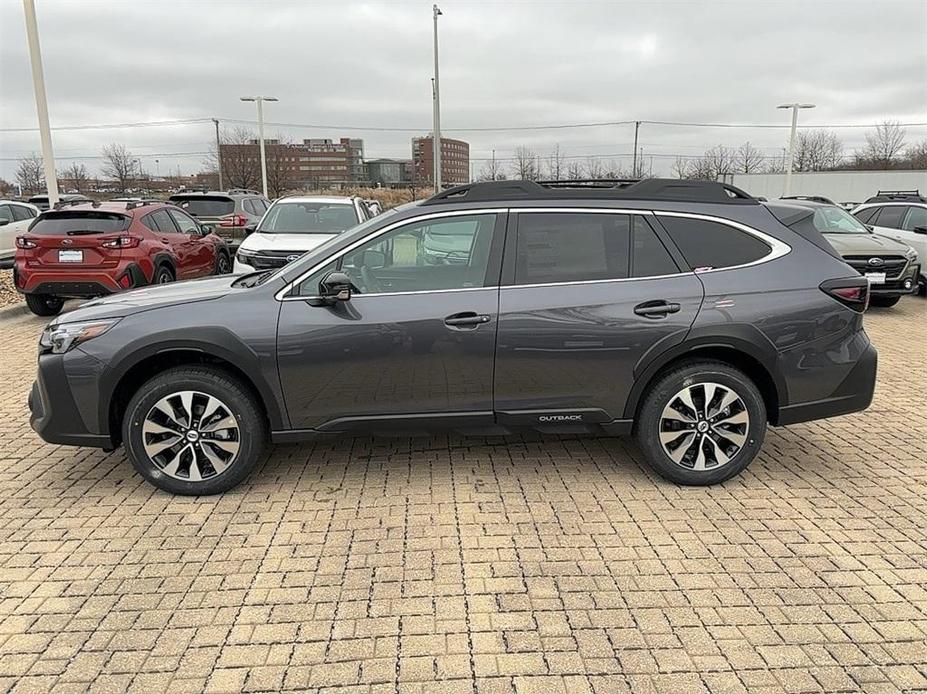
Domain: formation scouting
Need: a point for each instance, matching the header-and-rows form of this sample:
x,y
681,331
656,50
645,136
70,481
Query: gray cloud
x,y
345,63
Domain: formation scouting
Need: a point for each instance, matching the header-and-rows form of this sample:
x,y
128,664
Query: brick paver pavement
x,y
453,565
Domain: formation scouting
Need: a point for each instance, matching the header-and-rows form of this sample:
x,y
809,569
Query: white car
x,y
294,225
900,215
15,218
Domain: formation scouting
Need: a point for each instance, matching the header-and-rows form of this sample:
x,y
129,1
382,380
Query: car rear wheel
x,y
701,423
884,301
223,264
44,304
163,275
194,431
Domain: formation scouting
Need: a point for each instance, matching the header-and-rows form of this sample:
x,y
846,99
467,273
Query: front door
x,y
414,345
586,296
198,254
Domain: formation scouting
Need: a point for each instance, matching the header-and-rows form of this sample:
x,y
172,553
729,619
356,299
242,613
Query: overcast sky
x,y
514,63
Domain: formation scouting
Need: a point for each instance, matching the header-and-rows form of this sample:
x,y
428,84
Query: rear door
x,y
161,222
586,296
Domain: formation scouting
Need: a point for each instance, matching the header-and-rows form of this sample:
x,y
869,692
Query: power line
x,y
134,156
115,126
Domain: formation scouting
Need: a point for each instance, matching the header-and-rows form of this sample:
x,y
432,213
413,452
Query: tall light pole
x,y
260,109
41,102
788,164
218,152
436,135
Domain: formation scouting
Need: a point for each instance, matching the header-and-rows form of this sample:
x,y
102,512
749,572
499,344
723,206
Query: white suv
x,y
294,225
15,218
901,215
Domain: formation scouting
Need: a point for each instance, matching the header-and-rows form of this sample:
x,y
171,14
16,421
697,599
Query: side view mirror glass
x,y
335,286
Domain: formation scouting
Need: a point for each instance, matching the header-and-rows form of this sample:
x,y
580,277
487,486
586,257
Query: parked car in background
x,y
88,250
294,225
681,311
374,207
891,267
901,215
15,218
229,213
41,201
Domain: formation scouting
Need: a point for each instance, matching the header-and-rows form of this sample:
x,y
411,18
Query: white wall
x,y
839,186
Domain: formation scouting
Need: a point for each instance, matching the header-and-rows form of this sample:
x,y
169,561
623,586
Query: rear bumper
x,y
81,284
852,395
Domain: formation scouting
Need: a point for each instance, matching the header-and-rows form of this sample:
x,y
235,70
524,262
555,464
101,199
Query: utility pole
x,y
494,175
788,164
436,134
260,113
637,126
41,102
218,152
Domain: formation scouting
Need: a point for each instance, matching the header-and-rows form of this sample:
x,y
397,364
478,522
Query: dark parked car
x,y
683,312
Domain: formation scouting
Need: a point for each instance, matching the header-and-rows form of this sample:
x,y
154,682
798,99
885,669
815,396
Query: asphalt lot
x,y
453,565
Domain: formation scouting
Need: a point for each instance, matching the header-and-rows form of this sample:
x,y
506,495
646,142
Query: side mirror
x,y
205,230
870,227
335,286
920,230
250,229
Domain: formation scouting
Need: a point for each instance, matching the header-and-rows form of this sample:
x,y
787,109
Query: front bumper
x,y
55,416
905,283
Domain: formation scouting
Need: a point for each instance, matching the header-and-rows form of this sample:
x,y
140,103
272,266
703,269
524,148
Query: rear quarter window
x,y
707,244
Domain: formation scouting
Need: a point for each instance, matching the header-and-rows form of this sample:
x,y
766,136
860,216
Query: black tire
x,y
223,263
163,274
252,433
44,304
884,301
665,390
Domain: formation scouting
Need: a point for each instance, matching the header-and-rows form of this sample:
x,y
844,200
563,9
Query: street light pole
x,y
218,152
436,135
788,164
41,102
260,113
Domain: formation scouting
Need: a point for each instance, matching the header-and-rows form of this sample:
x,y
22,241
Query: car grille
x,y
268,260
892,265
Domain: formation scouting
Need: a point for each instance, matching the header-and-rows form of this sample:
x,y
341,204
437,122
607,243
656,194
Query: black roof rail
x,y
242,191
809,198
71,203
669,189
132,204
898,196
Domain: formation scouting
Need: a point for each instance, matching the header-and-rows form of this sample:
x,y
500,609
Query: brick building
x,y
455,160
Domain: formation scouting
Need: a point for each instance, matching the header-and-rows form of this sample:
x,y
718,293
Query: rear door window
x,y
706,244
76,223
649,257
866,215
6,213
891,216
571,247
160,221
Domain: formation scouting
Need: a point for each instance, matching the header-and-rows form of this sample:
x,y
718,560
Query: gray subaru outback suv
x,y
682,312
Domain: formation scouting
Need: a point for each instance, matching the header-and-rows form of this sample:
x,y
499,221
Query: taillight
x,y
122,242
233,220
853,292
23,242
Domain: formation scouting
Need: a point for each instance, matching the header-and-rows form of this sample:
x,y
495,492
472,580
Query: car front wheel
x,y
701,423
194,431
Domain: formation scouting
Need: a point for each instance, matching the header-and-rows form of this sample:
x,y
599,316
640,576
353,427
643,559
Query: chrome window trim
x,y
281,294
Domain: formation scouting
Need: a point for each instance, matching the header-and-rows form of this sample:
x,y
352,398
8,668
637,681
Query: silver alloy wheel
x,y
164,277
191,436
704,426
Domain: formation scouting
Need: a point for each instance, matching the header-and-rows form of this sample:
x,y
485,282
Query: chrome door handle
x,y
465,319
656,309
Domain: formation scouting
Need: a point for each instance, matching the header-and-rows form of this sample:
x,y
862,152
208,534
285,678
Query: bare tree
x,y
30,174
76,176
916,155
5,187
281,169
556,166
747,159
241,168
119,165
492,170
885,143
681,167
526,164
715,162
574,170
594,168
817,150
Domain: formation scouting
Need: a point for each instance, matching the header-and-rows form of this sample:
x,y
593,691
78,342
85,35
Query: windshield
x,y
833,220
204,206
308,218
75,223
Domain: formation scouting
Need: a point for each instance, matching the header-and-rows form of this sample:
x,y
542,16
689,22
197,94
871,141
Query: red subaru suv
x,y
89,250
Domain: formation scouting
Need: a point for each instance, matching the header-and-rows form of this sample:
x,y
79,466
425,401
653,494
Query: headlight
x,y
246,256
910,254
58,339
